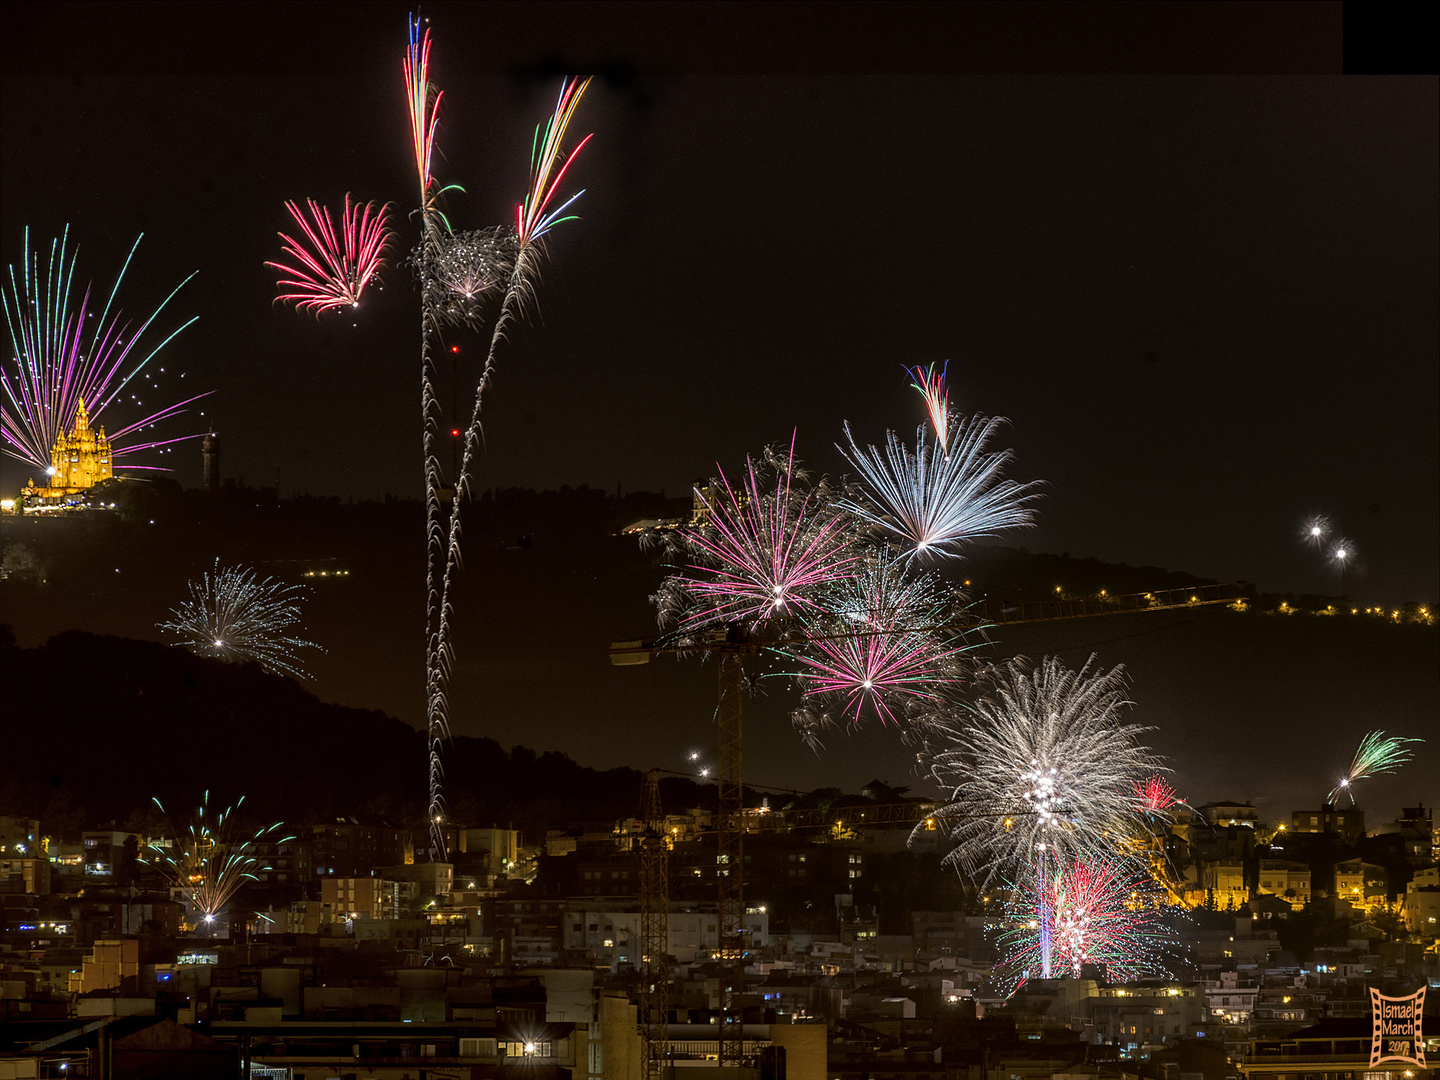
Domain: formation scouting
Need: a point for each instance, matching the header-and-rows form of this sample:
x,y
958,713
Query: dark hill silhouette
x,y
102,724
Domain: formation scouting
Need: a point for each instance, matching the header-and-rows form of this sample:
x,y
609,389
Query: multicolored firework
x,y
333,270
1377,755
1100,912
769,551
931,384
60,355
208,861
424,108
233,615
534,216
936,502
1040,766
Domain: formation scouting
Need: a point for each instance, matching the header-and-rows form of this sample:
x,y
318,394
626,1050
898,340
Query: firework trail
x,y
768,552
1041,766
934,503
520,259
233,615
931,385
208,860
1378,755
332,271
1099,911
61,354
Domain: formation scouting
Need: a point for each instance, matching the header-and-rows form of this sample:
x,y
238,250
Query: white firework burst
x,y
234,615
1043,765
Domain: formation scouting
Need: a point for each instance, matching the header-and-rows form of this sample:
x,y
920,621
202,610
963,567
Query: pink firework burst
x,y
1153,795
866,666
887,639
332,270
772,551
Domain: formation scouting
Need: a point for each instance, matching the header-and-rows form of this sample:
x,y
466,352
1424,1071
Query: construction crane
x,y
654,932
732,646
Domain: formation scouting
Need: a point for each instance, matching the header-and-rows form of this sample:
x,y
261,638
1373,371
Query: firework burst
x,y
331,268
1377,755
1042,766
1099,912
1314,531
207,859
883,644
1154,795
62,354
769,551
936,502
233,615
459,272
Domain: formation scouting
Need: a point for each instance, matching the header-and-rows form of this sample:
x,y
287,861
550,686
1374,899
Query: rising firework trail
x,y
1377,755
517,262
330,268
934,502
62,351
1040,766
208,859
234,615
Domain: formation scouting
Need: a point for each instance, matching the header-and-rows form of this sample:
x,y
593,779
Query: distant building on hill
x,y
1347,824
80,459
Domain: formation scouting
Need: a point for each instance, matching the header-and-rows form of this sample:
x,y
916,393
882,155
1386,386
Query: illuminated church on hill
x,y
79,460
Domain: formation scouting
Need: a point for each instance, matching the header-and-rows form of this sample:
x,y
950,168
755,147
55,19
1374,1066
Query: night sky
x,y
1194,266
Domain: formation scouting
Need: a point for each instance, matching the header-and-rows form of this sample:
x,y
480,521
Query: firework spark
x,y
1315,530
61,354
233,615
1378,755
207,860
937,502
1041,766
332,270
931,384
1099,911
767,551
